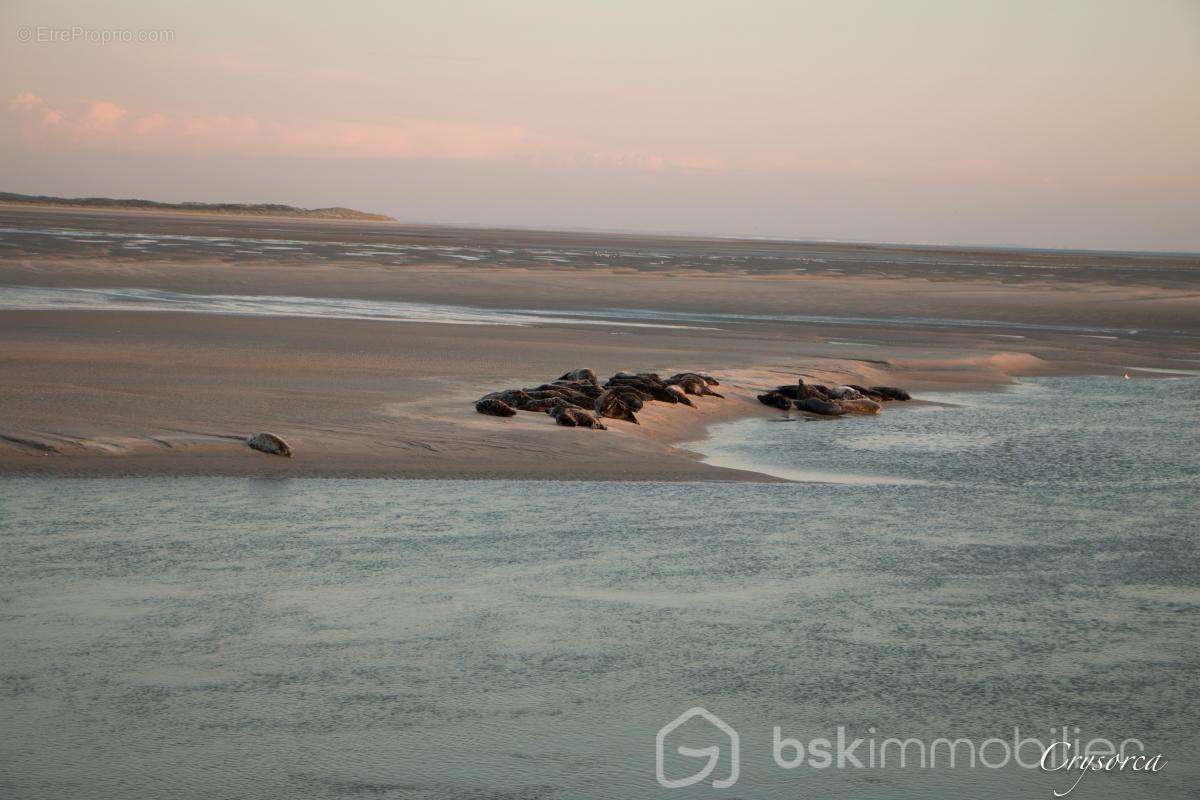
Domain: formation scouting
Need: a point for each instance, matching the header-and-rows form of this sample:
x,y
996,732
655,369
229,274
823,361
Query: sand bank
x,y
141,393
160,393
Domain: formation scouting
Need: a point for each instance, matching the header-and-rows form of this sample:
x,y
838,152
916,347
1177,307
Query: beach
x,y
116,392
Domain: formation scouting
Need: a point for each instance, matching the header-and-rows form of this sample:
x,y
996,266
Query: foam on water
x,y
132,299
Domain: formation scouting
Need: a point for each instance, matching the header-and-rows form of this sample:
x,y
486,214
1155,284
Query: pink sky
x,y
1075,123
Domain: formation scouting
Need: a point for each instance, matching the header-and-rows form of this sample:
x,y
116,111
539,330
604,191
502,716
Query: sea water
x,y
127,299
987,561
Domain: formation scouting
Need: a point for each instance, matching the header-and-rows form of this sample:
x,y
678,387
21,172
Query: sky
x,y
1057,123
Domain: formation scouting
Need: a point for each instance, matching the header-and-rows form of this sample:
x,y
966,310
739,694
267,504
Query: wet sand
x,y
119,393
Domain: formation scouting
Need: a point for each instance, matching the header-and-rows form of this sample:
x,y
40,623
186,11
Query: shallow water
x,y
1026,557
39,298
128,236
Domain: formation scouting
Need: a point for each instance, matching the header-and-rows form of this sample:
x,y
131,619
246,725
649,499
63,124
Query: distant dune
x,y
245,209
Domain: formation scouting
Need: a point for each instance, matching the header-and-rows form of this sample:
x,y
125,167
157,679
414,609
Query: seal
x,y
269,443
708,379
521,400
820,407
844,393
592,390
775,400
681,397
629,389
611,405
655,388
867,393
495,408
632,399
559,393
571,417
860,405
653,377
891,393
583,374
820,391
691,383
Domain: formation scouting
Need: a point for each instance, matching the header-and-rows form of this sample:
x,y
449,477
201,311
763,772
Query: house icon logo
x,y
713,753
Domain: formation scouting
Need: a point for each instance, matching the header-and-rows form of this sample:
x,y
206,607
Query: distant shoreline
x,y
230,209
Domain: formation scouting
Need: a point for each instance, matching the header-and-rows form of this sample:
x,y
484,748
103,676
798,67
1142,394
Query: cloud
x,y
102,119
105,124
25,102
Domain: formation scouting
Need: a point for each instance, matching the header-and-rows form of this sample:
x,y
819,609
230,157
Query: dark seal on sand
x,y
647,383
592,390
551,392
681,396
867,393
583,374
571,417
818,390
693,383
269,443
495,408
520,400
611,405
791,392
816,405
775,400
632,399
891,393
859,405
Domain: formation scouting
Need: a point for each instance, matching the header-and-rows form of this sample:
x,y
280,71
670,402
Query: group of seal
x,y
825,401
577,399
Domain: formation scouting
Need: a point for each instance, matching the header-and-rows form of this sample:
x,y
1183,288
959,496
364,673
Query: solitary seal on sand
x,y
270,443
495,408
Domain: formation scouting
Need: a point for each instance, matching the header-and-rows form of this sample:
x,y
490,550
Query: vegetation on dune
x,y
252,209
